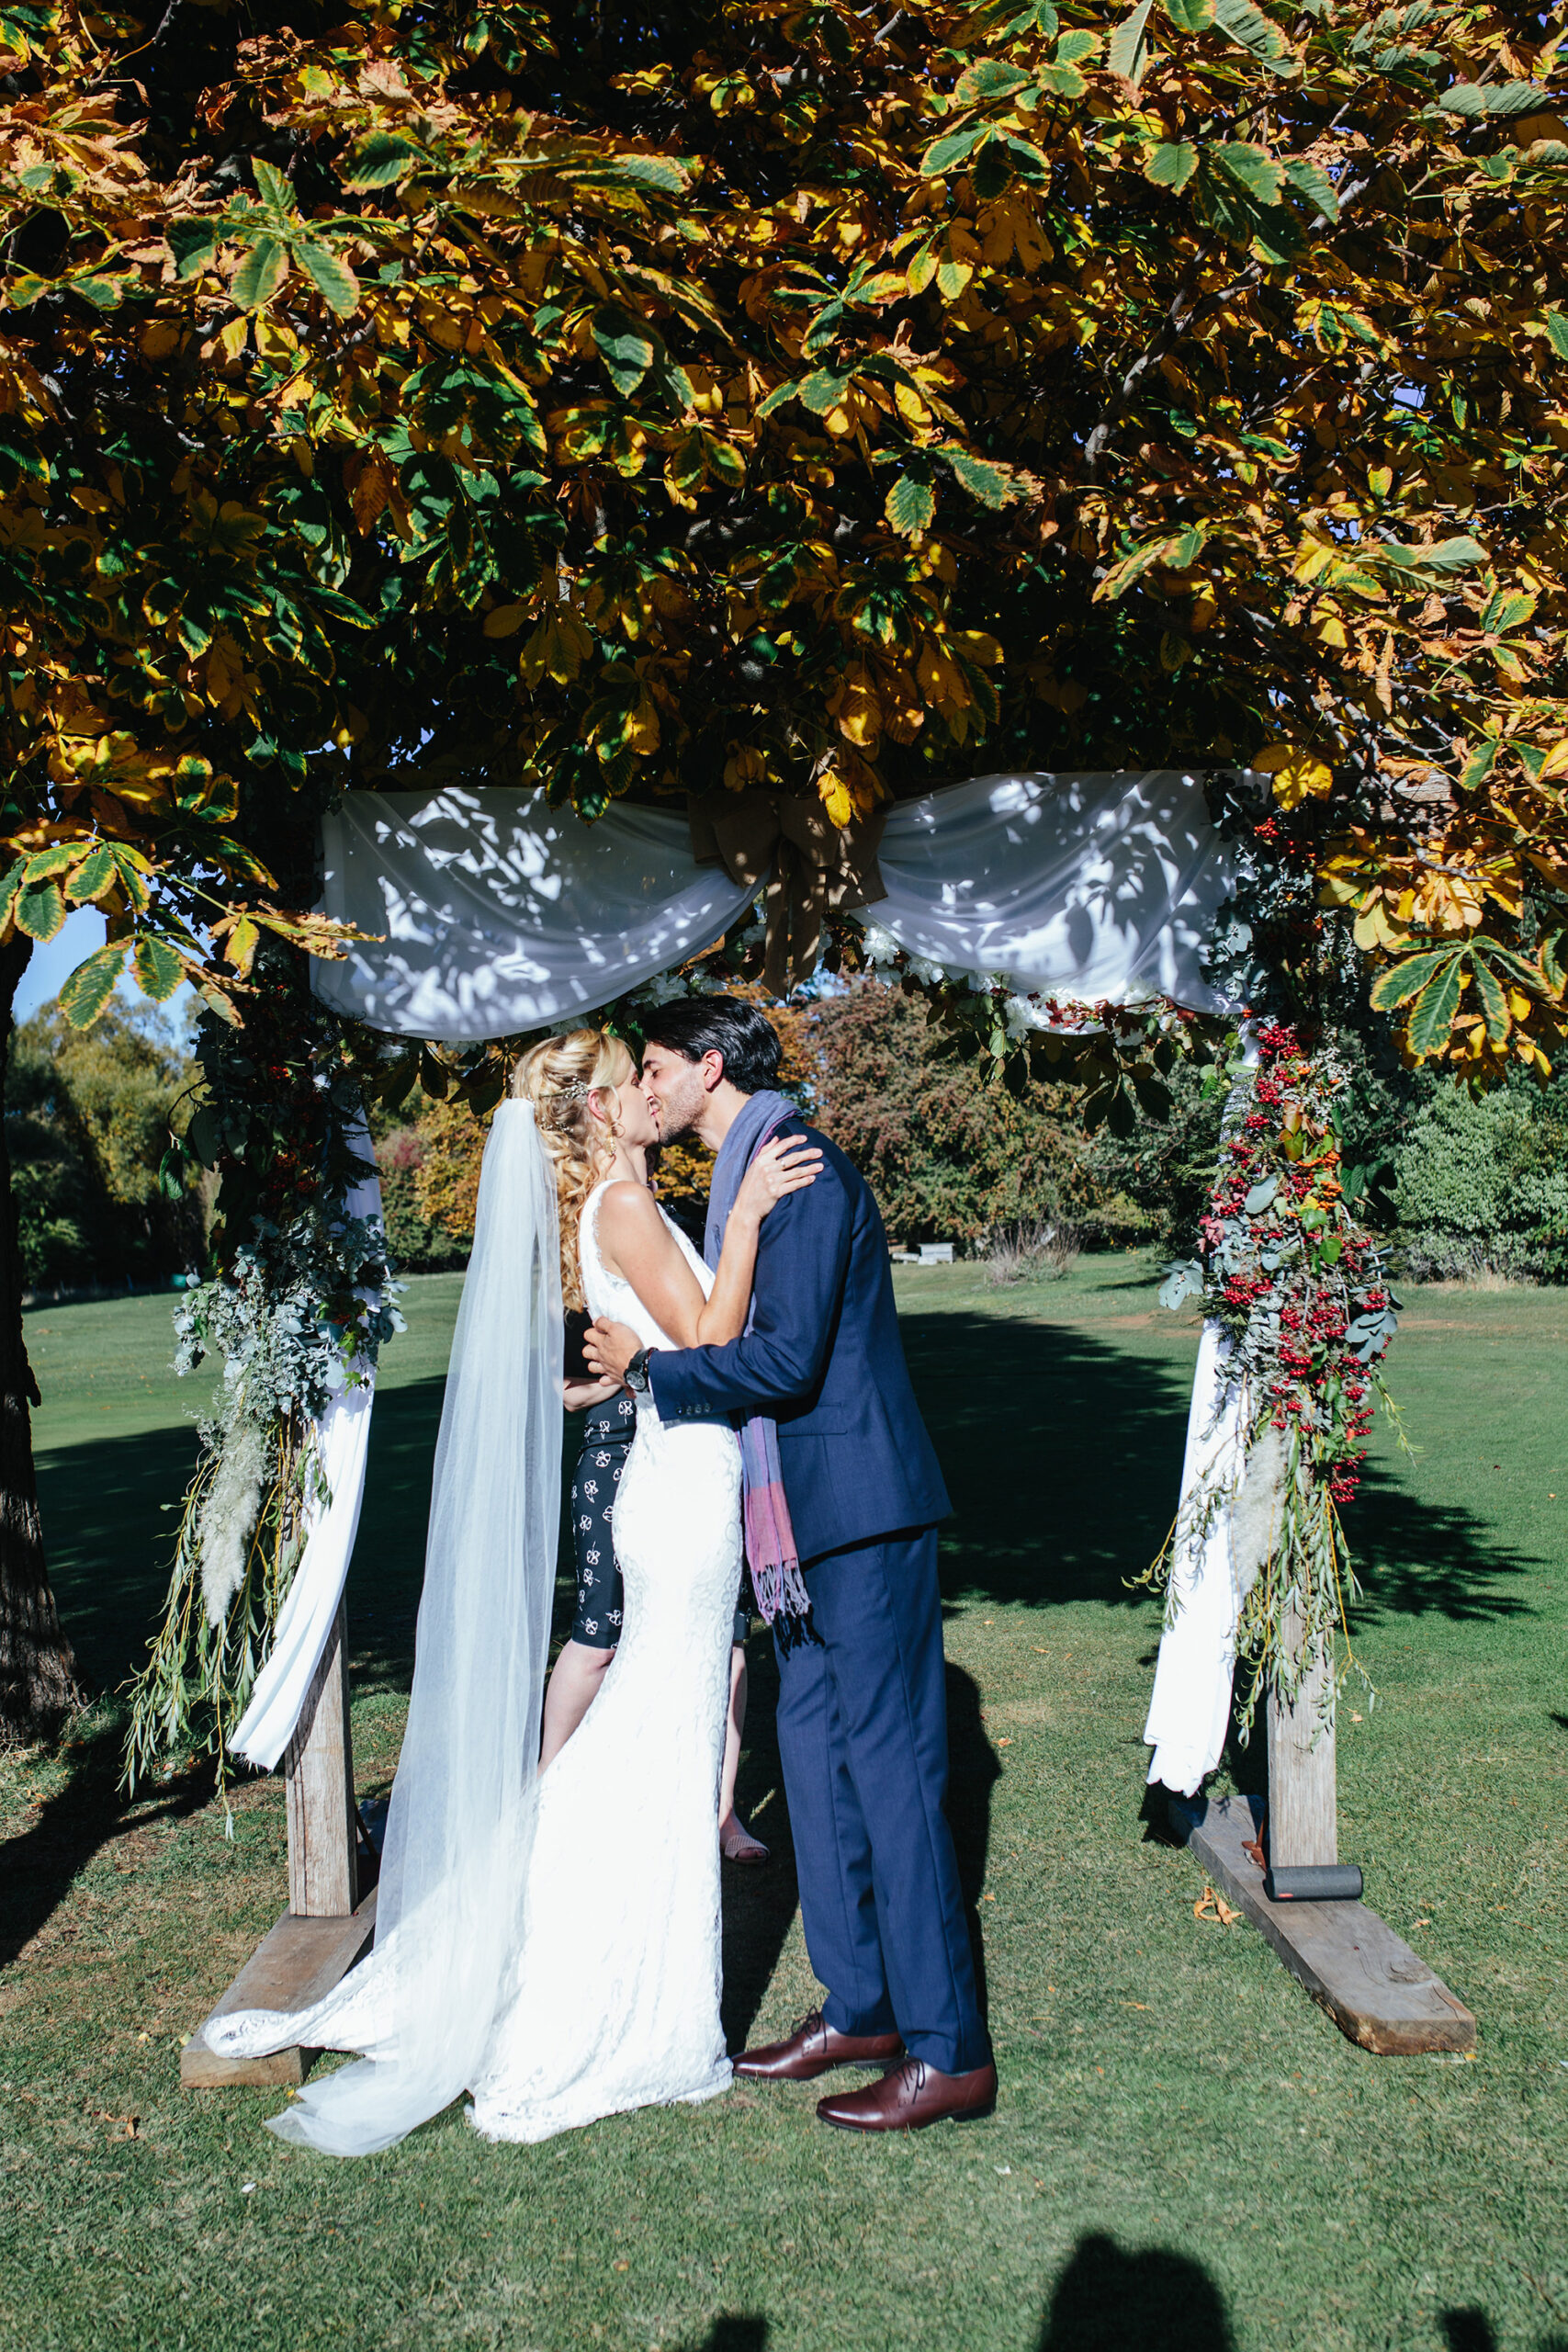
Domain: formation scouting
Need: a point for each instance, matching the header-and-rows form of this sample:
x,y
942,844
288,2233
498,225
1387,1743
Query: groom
x,y
863,1717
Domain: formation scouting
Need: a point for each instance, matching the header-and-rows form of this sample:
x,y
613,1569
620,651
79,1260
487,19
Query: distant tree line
x,y
1463,1187
88,1121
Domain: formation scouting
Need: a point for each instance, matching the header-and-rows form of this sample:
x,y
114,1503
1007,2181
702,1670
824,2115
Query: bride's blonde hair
x,y
557,1077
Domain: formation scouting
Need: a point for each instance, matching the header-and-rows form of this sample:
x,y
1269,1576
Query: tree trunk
x,y
38,1672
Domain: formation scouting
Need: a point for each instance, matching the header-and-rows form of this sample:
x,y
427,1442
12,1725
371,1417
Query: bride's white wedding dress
x,y
555,1948
614,2000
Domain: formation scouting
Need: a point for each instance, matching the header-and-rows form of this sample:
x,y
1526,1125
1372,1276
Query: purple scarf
x,y
770,1551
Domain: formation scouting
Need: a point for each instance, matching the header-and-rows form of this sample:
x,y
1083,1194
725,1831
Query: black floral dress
x,y
606,1441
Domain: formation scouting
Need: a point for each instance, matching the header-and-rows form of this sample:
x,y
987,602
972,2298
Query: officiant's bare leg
x,y
573,1688
736,1842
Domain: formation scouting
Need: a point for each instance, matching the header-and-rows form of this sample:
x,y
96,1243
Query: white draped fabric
x,y
1190,1709
1096,888
310,1609
490,913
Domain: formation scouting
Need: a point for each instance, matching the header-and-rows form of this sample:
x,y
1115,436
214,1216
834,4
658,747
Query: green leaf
x,y
9,887
92,984
93,876
1557,333
1508,961
1128,53
193,244
989,79
1250,30
910,506
132,875
1171,166
1479,765
381,161
1467,99
39,909
1505,98
1406,979
158,970
1553,961
1190,16
271,186
1460,554
1493,1001
261,274
1311,181
332,278
52,860
1432,1016
1074,49
649,171
994,486
1251,167
625,345
943,155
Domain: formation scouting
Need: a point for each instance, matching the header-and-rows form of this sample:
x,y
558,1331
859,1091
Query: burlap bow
x,y
811,868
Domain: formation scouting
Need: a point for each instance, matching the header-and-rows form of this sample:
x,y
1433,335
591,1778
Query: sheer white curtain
x,y
490,913
462,1812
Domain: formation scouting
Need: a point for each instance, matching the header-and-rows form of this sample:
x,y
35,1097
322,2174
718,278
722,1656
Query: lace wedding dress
x,y
614,2000
550,1942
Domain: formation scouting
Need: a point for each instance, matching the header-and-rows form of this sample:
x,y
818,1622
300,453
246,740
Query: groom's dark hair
x,y
694,1025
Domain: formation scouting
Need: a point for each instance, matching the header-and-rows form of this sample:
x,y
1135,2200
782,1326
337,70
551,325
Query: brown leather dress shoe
x,y
813,2049
911,2095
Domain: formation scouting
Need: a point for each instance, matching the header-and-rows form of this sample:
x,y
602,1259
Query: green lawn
x,y
1186,2153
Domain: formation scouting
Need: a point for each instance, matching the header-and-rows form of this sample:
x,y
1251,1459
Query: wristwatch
x,y
636,1374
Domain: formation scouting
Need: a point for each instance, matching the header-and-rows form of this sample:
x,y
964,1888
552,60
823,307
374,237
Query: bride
x,y
550,1942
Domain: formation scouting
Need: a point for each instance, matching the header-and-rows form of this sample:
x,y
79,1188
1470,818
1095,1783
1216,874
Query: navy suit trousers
x,y
862,1733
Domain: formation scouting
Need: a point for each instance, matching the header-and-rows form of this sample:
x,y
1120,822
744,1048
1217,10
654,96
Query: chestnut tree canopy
x,y
827,399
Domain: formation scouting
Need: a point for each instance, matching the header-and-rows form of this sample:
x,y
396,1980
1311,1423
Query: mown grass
x,y
1186,2153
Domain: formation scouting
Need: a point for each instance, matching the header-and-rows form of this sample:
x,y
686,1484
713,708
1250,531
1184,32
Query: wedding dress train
x,y
554,1939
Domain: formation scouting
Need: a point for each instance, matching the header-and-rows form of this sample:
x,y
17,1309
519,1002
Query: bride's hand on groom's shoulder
x,y
784,1166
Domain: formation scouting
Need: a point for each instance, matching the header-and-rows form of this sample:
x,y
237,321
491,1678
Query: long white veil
x,y
461,1821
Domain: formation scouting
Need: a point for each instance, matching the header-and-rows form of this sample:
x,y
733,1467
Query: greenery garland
x,y
299,1308
1298,1288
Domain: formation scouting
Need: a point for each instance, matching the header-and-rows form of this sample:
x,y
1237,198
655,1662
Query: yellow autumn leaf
x,y
506,620
836,797
1298,776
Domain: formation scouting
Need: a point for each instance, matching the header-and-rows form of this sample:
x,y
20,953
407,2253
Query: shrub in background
x,y
1481,1185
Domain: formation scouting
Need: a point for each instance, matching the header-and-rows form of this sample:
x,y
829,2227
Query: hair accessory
x,y
554,1108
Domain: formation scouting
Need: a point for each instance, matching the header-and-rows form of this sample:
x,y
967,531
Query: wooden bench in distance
x,y
1376,1989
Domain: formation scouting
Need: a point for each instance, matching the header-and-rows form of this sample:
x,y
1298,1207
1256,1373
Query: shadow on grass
x,y
1109,2301
759,1905
735,2332
1414,1555
1471,2331
37,1869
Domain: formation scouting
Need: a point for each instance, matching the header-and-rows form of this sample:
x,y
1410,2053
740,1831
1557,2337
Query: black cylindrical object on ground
x,y
1313,1882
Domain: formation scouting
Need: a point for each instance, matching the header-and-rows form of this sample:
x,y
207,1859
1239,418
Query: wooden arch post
x,y
326,1928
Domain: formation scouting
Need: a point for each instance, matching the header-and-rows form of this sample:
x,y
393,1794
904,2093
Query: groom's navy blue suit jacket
x,y
824,1360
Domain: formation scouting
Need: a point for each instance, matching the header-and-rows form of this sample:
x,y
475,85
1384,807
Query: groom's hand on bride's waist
x,y
610,1347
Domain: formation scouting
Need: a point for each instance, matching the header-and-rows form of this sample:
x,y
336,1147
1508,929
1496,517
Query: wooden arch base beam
x,y
1379,1993
324,1931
